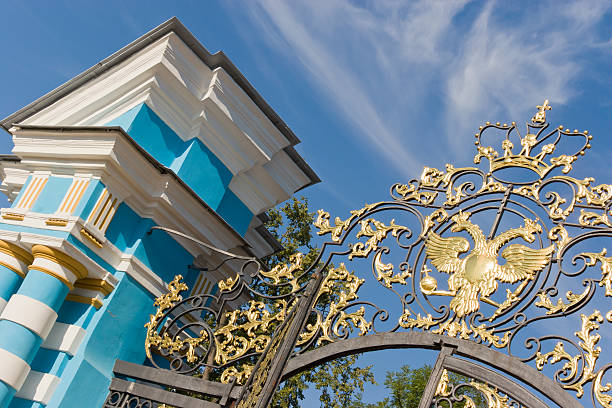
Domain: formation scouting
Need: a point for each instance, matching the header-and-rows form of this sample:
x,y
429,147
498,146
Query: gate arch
x,y
519,242
483,355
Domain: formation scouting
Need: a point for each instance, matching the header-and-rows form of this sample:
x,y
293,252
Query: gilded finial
x,y
540,116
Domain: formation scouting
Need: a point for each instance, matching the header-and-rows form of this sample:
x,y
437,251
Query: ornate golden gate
x,y
500,266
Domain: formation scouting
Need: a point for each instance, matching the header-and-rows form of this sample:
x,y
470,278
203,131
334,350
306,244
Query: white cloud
x,y
503,70
403,70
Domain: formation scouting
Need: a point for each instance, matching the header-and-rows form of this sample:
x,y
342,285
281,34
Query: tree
x,y
407,385
340,381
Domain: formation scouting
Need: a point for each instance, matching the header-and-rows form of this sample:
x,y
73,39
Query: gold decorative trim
x,y
561,306
12,268
336,318
492,397
51,273
228,284
579,369
95,302
286,271
442,388
90,237
99,285
164,341
18,252
56,222
242,332
376,231
41,251
322,222
13,216
606,268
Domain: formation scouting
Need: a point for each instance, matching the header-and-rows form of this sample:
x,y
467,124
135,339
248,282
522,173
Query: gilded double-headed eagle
x,y
475,277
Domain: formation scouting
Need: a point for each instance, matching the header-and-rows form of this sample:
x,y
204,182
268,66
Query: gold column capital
x,y
18,253
55,255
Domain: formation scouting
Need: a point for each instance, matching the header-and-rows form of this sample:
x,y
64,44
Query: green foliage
x,y
291,225
341,383
406,386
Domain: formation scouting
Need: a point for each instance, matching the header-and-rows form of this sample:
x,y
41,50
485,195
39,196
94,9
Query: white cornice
x,y
13,178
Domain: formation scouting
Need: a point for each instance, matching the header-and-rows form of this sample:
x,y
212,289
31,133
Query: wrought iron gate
x,y
502,319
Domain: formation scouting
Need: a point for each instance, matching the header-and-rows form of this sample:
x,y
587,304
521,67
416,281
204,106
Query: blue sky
x,y
375,90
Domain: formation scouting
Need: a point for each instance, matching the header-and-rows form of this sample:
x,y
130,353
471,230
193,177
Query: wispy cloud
x,y
406,72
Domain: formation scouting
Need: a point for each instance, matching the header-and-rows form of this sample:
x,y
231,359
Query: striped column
x,y
30,314
14,263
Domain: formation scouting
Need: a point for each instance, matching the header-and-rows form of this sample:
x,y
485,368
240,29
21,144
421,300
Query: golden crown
x,y
540,147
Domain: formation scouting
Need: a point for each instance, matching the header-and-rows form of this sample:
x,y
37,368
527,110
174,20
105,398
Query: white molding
x,y
30,313
14,176
13,370
143,275
3,303
10,236
38,387
109,155
109,253
64,337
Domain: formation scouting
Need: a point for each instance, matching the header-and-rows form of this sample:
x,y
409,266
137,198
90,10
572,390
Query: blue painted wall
x,y
116,331
21,192
52,195
191,160
158,251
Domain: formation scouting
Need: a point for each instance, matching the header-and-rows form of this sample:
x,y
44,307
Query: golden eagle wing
x,y
522,262
444,252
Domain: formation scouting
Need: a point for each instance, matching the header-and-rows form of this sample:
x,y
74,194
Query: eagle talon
x,y
491,302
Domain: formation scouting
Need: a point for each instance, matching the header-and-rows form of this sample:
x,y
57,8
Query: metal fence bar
x,y
174,380
158,395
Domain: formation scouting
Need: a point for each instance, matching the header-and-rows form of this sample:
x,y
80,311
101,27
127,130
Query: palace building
x,y
161,133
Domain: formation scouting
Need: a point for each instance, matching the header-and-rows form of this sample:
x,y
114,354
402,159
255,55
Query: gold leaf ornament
x,y
384,273
606,268
324,226
228,284
572,299
247,330
577,375
164,341
336,318
376,231
286,272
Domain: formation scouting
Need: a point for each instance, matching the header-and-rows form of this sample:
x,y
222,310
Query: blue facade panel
x,y
52,195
